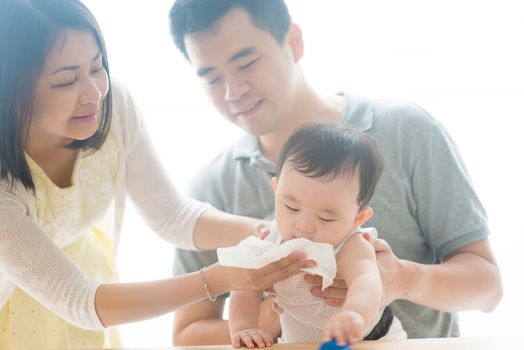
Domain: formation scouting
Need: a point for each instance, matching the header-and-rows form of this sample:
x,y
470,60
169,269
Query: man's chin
x,y
255,130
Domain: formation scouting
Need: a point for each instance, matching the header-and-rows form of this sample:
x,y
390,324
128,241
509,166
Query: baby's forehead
x,y
342,175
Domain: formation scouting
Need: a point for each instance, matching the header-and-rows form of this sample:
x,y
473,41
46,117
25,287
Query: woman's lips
x,y
88,118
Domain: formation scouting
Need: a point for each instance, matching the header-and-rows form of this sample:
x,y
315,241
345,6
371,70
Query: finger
x,y
262,230
334,302
316,280
336,294
339,336
270,291
380,245
236,341
277,308
257,339
267,339
338,282
313,279
327,336
282,269
246,339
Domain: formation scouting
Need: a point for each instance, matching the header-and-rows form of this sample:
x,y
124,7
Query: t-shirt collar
x,y
353,115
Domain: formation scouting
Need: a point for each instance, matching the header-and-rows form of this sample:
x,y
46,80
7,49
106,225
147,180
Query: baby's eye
x,y
326,220
291,208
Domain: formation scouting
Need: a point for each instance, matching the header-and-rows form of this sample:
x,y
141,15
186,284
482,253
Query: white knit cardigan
x,y
31,261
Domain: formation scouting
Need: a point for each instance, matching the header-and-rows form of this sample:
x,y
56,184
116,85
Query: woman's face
x,y
69,92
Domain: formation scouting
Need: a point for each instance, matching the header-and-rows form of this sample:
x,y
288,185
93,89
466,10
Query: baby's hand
x,y
346,326
250,338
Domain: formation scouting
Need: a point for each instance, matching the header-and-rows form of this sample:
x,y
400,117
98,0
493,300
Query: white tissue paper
x,y
254,253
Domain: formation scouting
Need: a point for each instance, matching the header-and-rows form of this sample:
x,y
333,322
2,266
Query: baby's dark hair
x,y
327,150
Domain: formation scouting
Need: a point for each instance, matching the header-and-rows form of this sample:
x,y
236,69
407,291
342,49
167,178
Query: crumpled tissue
x,y
254,253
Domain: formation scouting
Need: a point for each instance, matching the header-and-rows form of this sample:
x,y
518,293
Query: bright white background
x,y
463,61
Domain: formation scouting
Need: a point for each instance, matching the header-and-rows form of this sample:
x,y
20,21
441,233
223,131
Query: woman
x,y
72,144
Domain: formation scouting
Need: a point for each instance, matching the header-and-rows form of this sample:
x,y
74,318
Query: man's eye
x,y
250,64
213,81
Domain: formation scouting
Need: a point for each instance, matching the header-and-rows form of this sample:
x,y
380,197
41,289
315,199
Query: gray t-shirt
x,y
425,205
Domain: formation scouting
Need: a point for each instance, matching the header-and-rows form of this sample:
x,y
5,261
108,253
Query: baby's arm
x,y
244,312
358,267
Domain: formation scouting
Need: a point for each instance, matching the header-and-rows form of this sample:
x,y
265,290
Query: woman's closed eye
x,y
97,69
66,84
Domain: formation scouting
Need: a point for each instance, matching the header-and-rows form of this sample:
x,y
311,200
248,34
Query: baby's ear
x,y
274,183
363,215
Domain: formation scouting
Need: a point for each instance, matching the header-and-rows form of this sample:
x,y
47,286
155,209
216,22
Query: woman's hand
x,y
265,277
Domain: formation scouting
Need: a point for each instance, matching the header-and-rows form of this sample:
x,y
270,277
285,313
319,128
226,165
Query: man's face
x,y
248,75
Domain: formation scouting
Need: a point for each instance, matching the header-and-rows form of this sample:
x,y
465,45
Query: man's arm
x,y
468,279
200,324
244,314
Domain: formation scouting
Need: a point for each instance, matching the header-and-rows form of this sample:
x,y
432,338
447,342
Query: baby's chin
x,y
292,237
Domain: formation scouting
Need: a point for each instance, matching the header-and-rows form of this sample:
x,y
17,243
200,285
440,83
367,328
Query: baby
x,y
325,177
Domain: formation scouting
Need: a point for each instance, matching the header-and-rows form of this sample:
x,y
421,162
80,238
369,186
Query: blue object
x,y
332,345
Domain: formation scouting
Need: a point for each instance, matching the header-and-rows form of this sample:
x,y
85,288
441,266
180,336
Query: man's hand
x,y
334,295
393,271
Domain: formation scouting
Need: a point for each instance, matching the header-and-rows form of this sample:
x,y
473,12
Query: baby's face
x,y
313,208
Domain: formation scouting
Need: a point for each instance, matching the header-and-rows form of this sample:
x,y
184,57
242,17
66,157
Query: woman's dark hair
x,y
194,16
28,31
325,150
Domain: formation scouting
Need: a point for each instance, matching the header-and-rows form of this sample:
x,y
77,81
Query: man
x,y
247,54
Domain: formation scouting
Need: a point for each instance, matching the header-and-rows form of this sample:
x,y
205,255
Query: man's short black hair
x,y
194,16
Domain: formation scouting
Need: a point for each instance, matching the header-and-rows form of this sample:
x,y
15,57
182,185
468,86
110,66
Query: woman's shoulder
x,y
126,123
15,196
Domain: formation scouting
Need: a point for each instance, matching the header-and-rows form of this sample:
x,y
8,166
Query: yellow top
x,y
78,220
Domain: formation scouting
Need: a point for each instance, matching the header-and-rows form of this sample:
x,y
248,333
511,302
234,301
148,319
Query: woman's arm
x,y
35,264
123,303
214,229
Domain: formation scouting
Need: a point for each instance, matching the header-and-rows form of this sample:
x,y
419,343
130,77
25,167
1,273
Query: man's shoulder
x,y
383,115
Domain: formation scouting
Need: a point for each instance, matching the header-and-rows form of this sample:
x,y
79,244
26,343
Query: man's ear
x,y
363,215
294,39
274,183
